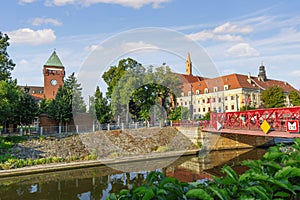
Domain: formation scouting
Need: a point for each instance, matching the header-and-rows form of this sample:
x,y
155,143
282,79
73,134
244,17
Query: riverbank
x,y
98,148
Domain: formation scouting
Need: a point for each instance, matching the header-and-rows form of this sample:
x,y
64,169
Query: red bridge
x,y
252,120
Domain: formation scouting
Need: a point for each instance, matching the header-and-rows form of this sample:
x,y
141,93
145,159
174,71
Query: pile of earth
x,y
104,144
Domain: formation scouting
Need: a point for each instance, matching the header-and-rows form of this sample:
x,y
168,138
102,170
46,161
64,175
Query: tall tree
x,y
114,74
294,98
74,90
27,108
9,100
6,64
68,100
273,97
44,106
101,107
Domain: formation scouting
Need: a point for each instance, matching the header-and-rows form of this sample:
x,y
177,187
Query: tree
x,y
179,113
74,90
9,100
27,108
114,74
273,97
44,106
6,64
294,98
100,107
68,101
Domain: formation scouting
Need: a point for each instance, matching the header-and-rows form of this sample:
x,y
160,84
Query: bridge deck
x,y
276,134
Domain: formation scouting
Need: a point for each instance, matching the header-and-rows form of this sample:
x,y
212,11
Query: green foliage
x,y
207,116
27,108
44,106
100,107
68,100
275,176
273,97
6,64
294,98
179,112
249,107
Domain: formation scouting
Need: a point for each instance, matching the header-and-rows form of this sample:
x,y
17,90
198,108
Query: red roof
x,y
234,81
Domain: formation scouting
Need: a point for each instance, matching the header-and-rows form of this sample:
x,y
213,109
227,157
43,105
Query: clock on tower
x,y
54,73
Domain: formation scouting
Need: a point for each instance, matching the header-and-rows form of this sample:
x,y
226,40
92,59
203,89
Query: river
x,y
98,182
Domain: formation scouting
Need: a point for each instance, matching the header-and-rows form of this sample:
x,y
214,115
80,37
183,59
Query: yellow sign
x,y
265,126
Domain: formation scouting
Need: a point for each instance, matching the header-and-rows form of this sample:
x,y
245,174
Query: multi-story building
x,y
225,93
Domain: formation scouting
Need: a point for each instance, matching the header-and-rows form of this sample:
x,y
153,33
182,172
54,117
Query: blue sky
x,y
237,35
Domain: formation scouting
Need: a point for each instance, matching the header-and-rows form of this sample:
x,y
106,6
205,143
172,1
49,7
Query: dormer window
x,y
226,87
182,94
215,89
206,91
197,91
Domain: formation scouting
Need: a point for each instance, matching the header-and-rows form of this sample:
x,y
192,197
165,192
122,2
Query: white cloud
x,y
92,48
130,46
26,1
23,62
210,35
242,50
29,36
231,28
127,3
39,21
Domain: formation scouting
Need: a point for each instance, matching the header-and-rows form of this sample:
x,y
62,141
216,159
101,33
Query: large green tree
x,y
100,107
68,101
273,97
294,98
6,64
114,74
27,108
9,100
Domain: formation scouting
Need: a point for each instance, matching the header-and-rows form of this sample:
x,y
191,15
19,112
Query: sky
x,y
238,36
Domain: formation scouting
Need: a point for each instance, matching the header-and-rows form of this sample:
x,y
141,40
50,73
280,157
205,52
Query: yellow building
x,y
225,93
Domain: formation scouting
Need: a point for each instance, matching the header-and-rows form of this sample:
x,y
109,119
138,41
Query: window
x,y
226,107
214,100
220,100
232,107
232,97
194,109
203,109
182,94
206,90
199,109
185,103
203,100
225,87
225,98
208,109
197,91
215,89
177,104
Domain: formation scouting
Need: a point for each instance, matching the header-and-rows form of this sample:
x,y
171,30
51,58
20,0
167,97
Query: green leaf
x,y
282,194
287,172
230,173
198,193
148,195
112,197
258,190
220,193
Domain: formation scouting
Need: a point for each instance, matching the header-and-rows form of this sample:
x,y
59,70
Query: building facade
x,y
225,93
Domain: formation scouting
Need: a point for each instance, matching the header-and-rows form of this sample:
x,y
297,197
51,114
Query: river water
x,y
98,182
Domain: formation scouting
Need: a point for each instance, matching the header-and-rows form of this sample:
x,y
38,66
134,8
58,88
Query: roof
x,y
38,97
54,61
184,78
234,81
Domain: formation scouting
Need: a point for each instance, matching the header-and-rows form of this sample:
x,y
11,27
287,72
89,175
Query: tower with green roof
x,y
54,73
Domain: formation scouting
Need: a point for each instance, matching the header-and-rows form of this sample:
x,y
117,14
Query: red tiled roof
x,y
37,96
234,81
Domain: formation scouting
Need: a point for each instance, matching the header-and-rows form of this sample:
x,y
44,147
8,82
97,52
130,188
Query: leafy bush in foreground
x,y
275,176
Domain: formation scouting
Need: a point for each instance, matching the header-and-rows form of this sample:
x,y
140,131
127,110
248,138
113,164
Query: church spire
x,y
188,65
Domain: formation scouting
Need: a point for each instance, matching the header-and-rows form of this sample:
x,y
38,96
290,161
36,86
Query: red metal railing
x,y
252,119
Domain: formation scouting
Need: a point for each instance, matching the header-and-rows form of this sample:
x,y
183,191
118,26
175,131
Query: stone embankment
x,y
105,144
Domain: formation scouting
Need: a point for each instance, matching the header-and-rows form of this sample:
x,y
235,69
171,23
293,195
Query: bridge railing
x,y
252,119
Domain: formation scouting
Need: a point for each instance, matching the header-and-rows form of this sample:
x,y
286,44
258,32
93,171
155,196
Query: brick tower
x,y
188,65
54,73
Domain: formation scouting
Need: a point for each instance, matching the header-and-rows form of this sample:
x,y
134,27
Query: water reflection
x,y
98,183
